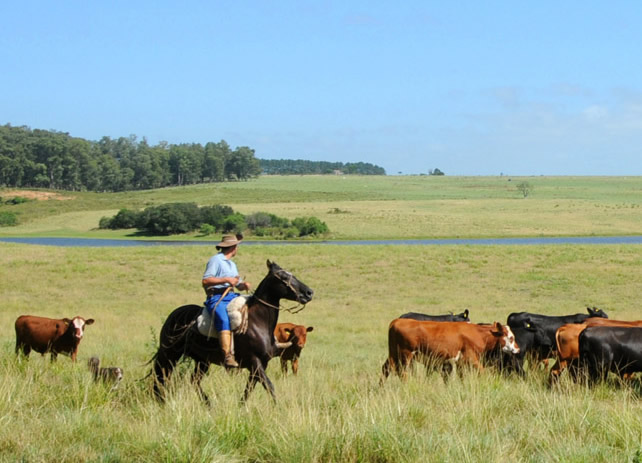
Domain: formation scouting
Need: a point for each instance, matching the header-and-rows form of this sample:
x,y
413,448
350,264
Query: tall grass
x,y
334,410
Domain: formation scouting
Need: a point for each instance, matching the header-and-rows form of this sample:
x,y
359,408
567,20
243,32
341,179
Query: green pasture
x,y
334,410
374,207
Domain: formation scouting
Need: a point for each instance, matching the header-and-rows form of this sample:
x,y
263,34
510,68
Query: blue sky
x,y
469,87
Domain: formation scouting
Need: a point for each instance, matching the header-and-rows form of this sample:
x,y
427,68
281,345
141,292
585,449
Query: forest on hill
x,y
51,159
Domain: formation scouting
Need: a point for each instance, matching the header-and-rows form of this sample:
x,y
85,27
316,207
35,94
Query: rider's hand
x,y
233,281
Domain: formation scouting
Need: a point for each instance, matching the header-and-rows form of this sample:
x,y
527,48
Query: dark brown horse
x,y
253,349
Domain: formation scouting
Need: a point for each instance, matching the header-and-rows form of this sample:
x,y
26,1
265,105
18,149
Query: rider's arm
x,y
214,281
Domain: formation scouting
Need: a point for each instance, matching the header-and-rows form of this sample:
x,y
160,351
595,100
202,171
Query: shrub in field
x,y
234,223
171,218
175,218
215,215
310,226
207,229
17,200
125,218
8,219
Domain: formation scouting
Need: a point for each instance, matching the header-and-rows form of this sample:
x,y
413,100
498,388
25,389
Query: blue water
x,y
90,242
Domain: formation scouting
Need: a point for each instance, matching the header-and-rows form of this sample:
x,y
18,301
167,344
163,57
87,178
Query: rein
x,y
300,306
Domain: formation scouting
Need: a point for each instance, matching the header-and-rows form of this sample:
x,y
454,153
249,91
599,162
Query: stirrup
x,y
230,362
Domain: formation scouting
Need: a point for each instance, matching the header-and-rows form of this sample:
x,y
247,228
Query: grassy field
x,y
412,207
334,410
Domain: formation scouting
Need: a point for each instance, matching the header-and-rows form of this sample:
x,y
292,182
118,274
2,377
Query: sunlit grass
x,y
334,410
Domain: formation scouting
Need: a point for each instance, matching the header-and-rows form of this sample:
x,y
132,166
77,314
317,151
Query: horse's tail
x,y
172,345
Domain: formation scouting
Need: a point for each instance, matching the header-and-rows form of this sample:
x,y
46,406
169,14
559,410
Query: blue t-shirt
x,y
220,267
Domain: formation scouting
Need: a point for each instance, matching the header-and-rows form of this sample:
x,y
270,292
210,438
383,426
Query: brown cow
x,y
295,334
58,336
446,342
567,339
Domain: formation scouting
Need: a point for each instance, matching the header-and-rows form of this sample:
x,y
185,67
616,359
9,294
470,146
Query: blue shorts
x,y
221,319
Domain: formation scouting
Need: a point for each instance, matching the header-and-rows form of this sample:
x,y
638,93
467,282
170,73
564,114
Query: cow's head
x,y
506,338
595,312
77,326
298,335
540,339
461,317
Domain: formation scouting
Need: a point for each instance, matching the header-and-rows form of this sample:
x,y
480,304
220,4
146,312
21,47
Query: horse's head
x,y
290,287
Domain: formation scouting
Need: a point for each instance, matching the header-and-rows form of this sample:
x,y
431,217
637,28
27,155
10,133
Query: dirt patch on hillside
x,y
37,195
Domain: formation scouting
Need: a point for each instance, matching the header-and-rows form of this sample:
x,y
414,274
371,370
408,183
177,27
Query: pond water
x,y
91,242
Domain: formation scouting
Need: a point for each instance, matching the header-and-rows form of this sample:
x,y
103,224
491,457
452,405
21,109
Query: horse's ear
x,y
268,263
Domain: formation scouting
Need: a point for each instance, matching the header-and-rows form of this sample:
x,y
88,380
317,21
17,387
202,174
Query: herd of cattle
x,y
581,342
63,336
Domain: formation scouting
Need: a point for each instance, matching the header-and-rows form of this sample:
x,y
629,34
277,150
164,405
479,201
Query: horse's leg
x,y
200,370
257,373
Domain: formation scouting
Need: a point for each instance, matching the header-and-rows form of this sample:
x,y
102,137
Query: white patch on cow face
x,y
510,346
79,327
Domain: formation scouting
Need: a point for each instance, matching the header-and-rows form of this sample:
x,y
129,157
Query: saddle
x,y
236,310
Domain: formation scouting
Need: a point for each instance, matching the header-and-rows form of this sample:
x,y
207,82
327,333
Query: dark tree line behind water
x,y
50,159
303,167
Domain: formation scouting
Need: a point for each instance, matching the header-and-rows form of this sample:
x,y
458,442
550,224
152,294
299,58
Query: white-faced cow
x,y
445,342
544,347
58,336
295,334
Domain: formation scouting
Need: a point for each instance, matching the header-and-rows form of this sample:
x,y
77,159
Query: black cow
x,y
610,348
529,334
543,347
451,317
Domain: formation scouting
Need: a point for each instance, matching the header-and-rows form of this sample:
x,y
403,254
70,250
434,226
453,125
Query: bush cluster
x,y
175,218
8,219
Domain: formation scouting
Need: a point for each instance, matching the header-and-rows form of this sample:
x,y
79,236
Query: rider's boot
x,y
225,338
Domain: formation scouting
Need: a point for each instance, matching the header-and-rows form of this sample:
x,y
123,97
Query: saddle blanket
x,y
205,321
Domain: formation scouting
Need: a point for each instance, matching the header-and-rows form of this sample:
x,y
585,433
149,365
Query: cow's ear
x,y
498,329
528,325
466,314
310,328
288,332
588,309
66,320
89,321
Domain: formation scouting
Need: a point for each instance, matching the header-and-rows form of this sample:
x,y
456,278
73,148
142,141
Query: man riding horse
x,y
219,280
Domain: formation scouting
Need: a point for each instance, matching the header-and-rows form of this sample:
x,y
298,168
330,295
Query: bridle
x,y
300,305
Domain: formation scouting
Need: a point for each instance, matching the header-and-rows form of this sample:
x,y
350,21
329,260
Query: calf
x,y
297,336
58,336
451,317
446,342
549,324
610,348
106,374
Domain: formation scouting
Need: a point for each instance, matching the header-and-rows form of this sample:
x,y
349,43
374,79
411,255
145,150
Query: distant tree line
x,y
51,159
303,167
175,218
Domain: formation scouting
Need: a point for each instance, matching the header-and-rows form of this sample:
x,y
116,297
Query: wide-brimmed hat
x,y
229,241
